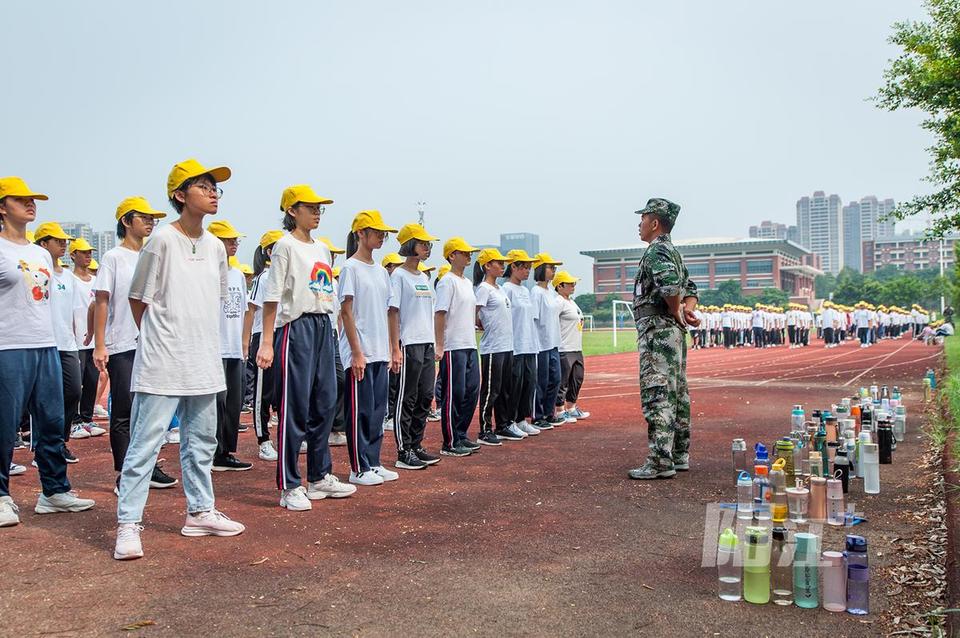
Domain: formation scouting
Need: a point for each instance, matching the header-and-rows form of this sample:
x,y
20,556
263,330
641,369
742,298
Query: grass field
x,y
601,341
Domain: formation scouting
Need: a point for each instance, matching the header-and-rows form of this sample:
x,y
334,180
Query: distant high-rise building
x,y
852,237
78,230
768,230
793,234
529,242
103,241
819,219
872,222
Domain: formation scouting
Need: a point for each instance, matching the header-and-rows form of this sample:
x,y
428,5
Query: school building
x,y
756,263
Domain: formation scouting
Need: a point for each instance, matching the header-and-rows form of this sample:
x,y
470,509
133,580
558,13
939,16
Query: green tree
x,y
772,297
823,285
849,288
925,77
587,302
886,273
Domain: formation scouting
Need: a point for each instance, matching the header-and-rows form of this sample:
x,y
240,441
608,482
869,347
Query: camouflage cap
x,y
662,207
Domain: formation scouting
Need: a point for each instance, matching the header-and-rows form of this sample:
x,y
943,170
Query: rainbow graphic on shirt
x,y
321,278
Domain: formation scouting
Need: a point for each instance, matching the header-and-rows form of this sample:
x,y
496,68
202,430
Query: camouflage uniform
x,y
662,346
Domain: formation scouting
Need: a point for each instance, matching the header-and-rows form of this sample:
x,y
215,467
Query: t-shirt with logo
x,y
25,274
257,292
183,282
412,295
84,297
369,287
548,319
231,315
455,297
524,314
113,277
496,319
571,326
63,302
301,279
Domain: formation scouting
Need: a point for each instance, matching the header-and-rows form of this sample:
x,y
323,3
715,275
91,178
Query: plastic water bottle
x,y
870,460
858,589
933,378
756,566
806,575
739,449
835,509
900,423
797,418
781,566
834,582
728,566
761,456
744,497
761,493
841,470
778,489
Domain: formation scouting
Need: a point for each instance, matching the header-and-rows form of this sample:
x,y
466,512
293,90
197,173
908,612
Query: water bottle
x,y
870,460
728,567
834,582
874,393
739,448
744,497
797,418
806,576
761,494
900,423
933,378
835,509
761,457
866,419
756,566
778,488
783,450
884,393
781,565
851,445
858,589
841,469
818,499
927,390
856,550
885,442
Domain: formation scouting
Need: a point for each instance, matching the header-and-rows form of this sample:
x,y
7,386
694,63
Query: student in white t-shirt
x,y
175,297
364,290
29,365
391,261
526,343
548,334
298,342
571,347
412,348
81,252
338,433
496,350
232,351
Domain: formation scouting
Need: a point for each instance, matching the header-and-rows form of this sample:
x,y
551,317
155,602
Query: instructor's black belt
x,y
649,311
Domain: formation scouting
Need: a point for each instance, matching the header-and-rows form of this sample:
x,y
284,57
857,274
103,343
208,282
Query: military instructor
x,y
664,299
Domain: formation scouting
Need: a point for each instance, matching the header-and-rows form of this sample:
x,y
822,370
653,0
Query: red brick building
x,y
909,252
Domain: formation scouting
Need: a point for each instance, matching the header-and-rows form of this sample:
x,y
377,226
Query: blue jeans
x,y
31,378
548,383
149,419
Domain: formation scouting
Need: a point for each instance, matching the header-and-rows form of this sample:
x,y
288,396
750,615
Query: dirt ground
x,y
543,537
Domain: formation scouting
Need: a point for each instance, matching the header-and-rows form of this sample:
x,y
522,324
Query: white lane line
x,y
877,363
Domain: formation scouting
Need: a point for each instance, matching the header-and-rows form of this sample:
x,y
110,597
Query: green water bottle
x,y
756,566
806,573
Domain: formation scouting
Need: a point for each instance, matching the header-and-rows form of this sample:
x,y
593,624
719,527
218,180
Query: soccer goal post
x,y
616,317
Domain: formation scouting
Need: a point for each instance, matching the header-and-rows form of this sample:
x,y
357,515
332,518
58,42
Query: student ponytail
x,y
260,259
352,244
508,271
478,274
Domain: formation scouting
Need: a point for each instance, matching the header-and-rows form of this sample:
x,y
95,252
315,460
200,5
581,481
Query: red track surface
x,y
542,537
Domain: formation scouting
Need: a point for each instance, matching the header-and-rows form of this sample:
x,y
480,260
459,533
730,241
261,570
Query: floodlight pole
x,y
420,207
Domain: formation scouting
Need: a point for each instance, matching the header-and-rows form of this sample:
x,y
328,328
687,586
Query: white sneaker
x,y
274,420
337,439
388,425
366,478
516,431
172,436
77,431
267,451
100,413
212,523
62,502
94,429
579,414
303,448
128,544
16,469
295,499
9,512
433,415
329,486
384,473
527,428
567,417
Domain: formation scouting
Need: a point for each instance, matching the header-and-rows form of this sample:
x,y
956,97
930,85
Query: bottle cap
x,y
817,480
834,488
744,479
761,451
756,535
760,470
864,437
739,445
857,572
807,543
779,464
856,543
798,407
833,559
779,533
728,539
870,452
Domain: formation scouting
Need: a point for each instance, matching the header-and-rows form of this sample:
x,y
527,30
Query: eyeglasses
x,y
216,191
146,219
314,208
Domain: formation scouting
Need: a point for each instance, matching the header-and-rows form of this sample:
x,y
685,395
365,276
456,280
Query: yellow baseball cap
x,y
94,265
269,238
50,229
333,249
80,244
245,269
444,269
414,231
544,259
189,168
391,258
491,254
422,267
301,193
336,271
563,277
457,243
224,230
519,254
138,204
370,219
16,187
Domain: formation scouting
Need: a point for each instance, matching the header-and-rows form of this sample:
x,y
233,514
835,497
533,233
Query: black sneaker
x,y
456,450
160,481
116,490
426,457
556,421
68,455
230,463
542,424
18,442
408,461
468,443
504,433
243,428
246,409
489,438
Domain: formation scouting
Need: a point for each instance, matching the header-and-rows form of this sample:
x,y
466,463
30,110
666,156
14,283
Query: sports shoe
x,y
62,502
433,415
388,425
556,421
268,452
100,412
489,438
295,499
212,523
243,427
681,462
577,413
408,461
336,439
516,430
159,480
16,469
384,473
303,448
9,512
567,416
526,428
128,544
426,457
329,486
77,431
455,450
18,442
651,470
230,463
116,488
172,437
366,478
246,409
540,425
509,433
68,455
274,420
93,429
468,443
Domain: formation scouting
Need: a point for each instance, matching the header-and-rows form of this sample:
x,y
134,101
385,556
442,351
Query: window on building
x,y
608,272
727,268
631,271
759,283
698,270
759,266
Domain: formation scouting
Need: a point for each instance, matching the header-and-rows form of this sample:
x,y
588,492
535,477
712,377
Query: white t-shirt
x,y
525,340
257,292
231,315
455,297
84,297
571,326
183,284
369,287
412,295
25,274
495,318
63,301
301,279
548,320
114,276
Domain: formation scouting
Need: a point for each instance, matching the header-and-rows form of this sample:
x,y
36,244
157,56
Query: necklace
x,y
193,244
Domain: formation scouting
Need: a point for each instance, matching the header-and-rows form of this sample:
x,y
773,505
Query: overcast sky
x,y
559,118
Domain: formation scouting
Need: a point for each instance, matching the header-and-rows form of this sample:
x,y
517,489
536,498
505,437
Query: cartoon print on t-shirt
x,y
321,278
232,305
38,280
